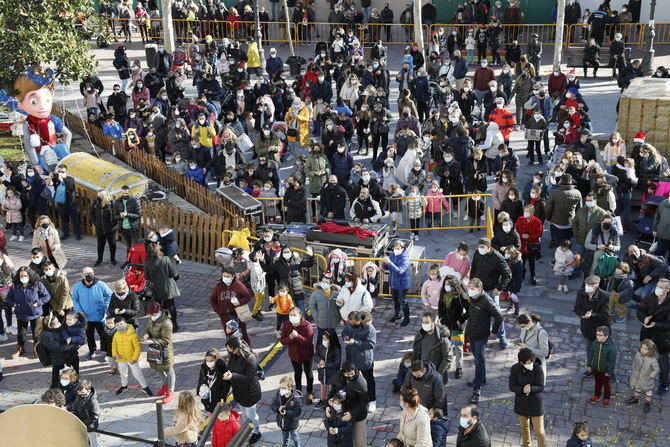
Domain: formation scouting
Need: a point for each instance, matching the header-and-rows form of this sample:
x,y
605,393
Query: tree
x,y
51,33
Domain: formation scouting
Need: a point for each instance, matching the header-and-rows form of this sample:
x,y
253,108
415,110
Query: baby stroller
x,y
645,226
133,273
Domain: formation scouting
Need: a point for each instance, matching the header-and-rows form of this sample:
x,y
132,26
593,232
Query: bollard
x,y
210,424
242,435
160,433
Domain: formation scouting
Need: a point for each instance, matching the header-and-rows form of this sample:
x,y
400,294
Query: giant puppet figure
x,y
41,139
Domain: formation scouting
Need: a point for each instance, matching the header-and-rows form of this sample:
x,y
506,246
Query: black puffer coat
x,y
519,376
212,379
600,311
245,381
481,310
87,409
52,339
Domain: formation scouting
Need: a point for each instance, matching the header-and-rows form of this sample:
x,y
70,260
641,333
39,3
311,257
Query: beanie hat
x,y
233,325
640,137
154,308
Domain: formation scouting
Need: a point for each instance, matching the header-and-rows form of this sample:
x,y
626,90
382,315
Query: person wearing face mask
x,y
351,389
506,180
529,227
586,218
56,283
124,302
203,129
512,204
360,338
211,387
414,420
432,346
92,297
128,213
69,379
274,63
65,198
560,208
490,267
53,340
397,263
471,431
323,306
103,216
46,240
158,334
353,296
654,314
592,307
483,74
288,406
526,381
287,267
297,333
506,236
479,329
332,199
162,61
126,350
328,358
364,208
601,240
556,85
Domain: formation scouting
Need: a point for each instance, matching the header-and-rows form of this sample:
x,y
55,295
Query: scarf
x,y
122,296
44,128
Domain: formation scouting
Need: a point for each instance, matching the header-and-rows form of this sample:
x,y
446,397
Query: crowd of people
x,y
451,135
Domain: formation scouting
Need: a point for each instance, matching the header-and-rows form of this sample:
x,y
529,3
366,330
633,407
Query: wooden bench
x,y
576,56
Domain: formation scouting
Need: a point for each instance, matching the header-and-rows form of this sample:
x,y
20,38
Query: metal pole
x,y
648,57
215,414
168,26
418,32
160,424
259,36
240,438
558,40
288,28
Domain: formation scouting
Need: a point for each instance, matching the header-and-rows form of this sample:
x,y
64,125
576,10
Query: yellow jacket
x,y
126,344
253,58
204,134
303,124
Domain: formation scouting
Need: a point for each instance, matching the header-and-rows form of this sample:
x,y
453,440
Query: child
x,y
470,46
258,284
37,260
186,420
388,174
195,173
327,357
355,174
12,206
621,291
439,426
564,264
87,409
74,333
580,435
395,207
431,288
603,360
395,442
515,263
269,206
645,369
474,208
340,432
256,188
288,406
371,279
168,242
415,206
126,350
405,364
69,380
106,345
225,426
284,304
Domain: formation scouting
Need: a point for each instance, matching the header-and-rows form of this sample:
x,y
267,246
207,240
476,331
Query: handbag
x,y
243,313
533,247
156,354
457,337
292,132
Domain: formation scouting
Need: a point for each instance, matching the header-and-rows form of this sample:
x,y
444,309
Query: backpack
x,y
42,353
606,265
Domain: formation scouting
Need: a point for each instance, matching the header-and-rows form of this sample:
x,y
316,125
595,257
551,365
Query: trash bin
x,y
150,51
294,63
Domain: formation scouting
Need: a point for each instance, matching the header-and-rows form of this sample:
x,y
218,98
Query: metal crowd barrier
x,y
633,33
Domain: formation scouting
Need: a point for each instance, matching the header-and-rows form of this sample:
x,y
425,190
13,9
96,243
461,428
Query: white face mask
x,y
348,284
340,150
447,288
556,73
504,179
482,251
337,407
294,319
227,281
511,196
589,289
50,272
448,159
507,255
659,291
366,178
155,317
285,392
24,280
493,89
528,366
325,286
325,343
500,106
464,422
507,228
526,215
210,364
427,327
397,251
64,382
472,293
286,256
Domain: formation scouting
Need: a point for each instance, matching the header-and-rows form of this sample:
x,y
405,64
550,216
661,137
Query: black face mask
x,y
606,226
89,277
45,225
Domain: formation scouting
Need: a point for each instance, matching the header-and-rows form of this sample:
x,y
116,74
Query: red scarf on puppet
x,y
44,128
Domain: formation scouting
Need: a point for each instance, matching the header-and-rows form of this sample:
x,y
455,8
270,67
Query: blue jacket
x,y
93,300
399,270
421,90
344,436
114,130
28,300
341,164
293,407
169,244
438,431
362,351
197,174
574,441
273,65
76,332
460,68
518,272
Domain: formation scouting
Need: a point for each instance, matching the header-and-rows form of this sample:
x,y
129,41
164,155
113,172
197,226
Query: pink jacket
x,y
430,293
13,209
462,266
435,204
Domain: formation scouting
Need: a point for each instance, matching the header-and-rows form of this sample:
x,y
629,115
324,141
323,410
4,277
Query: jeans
x,y
252,415
17,229
275,7
623,208
366,13
290,437
400,302
298,368
530,257
129,236
91,327
169,378
538,426
478,348
23,326
66,213
135,369
644,290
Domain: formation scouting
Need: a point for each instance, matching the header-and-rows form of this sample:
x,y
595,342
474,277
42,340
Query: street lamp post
x,y
648,57
259,36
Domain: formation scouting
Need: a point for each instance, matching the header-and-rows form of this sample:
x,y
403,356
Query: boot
x,y
20,350
459,373
405,321
169,395
162,391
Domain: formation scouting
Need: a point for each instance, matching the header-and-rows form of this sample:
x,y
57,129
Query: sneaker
x,y
310,399
121,390
21,238
533,282
593,399
147,391
606,402
619,320
278,335
257,317
3,337
459,373
647,407
632,400
97,263
255,437
90,355
162,391
416,237
394,318
12,330
13,238
474,399
587,373
372,406
662,389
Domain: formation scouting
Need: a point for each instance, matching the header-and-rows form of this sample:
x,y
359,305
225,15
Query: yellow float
x,y
93,173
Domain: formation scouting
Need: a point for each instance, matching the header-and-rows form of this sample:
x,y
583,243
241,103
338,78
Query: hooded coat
x,y
59,289
93,300
362,351
160,332
245,382
324,309
87,409
356,395
52,339
429,387
440,352
293,406
27,300
519,376
223,431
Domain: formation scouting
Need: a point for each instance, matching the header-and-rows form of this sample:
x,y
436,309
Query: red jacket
x,y
482,78
505,121
301,348
223,431
532,227
221,297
